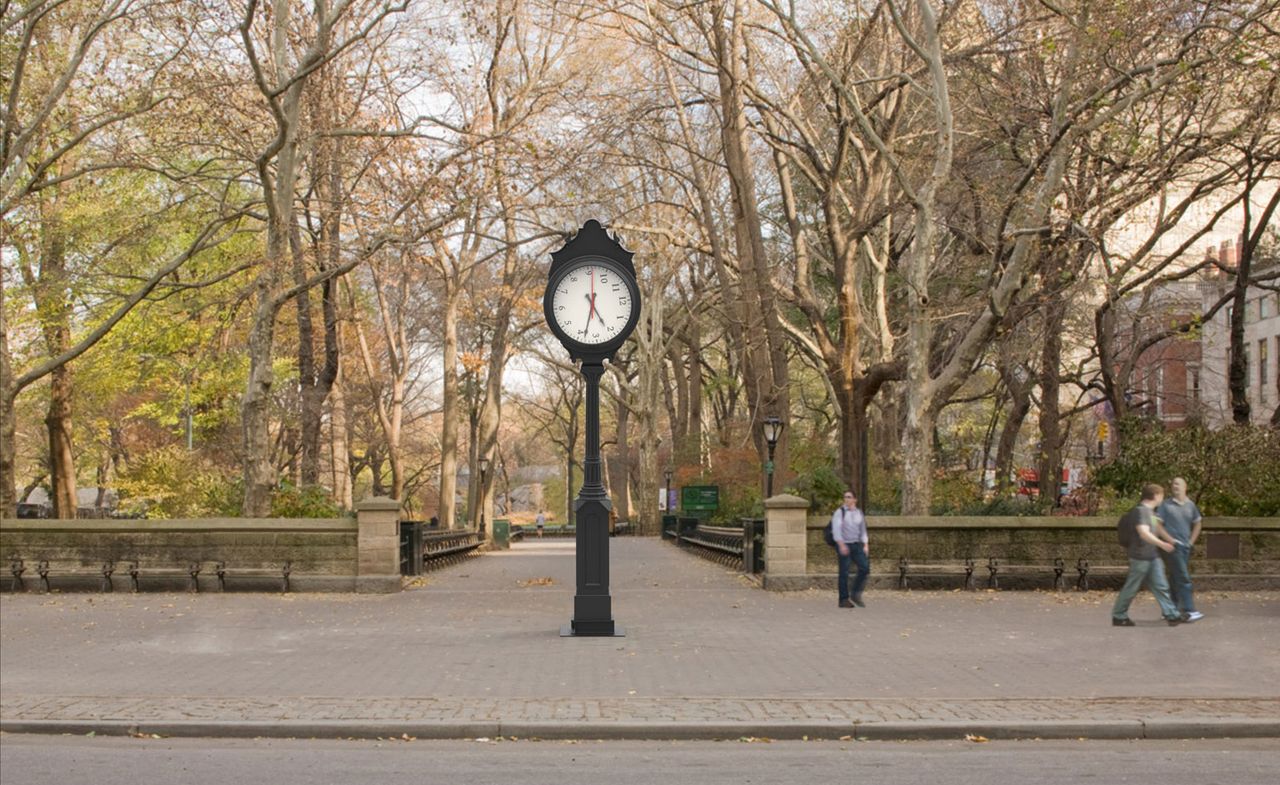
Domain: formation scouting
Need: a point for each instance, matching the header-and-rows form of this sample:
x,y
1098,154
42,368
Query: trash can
x,y
501,533
668,527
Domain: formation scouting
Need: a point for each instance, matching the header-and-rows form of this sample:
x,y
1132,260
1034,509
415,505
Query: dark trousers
x,y
1175,566
859,556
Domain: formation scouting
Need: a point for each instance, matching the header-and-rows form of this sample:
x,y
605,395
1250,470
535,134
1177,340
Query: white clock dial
x,y
591,303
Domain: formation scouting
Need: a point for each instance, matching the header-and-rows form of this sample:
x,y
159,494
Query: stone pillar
x,y
378,545
786,549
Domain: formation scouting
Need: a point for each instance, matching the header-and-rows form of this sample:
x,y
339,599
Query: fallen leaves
x,y
537,582
976,739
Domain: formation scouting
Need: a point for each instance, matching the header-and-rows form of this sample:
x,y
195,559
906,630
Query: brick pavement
x,y
477,645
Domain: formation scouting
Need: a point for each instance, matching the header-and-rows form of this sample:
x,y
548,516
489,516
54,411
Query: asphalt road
x,y
67,760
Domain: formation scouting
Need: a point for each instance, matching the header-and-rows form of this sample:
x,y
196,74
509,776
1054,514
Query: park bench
x,y
191,572
996,569
17,566
740,548
1084,570
282,572
139,571
907,570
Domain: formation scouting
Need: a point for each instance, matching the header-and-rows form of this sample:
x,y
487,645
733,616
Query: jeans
x,y
1152,574
1179,577
859,555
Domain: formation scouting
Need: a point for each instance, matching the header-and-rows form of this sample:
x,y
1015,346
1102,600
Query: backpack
x,y
1124,533
828,532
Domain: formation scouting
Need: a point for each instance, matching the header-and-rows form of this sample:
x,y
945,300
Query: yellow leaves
x,y
473,362
544,581
970,737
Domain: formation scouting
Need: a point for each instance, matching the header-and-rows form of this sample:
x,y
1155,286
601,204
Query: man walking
x,y
1138,534
1180,519
849,530
540,522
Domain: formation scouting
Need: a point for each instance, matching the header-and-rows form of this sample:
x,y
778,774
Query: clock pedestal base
x,y
592,605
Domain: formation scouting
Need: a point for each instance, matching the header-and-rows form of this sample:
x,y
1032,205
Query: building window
x,y
1264,375
1263,310
1193,384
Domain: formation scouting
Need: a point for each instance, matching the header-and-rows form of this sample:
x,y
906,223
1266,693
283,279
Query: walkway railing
x,y
739,547
422,551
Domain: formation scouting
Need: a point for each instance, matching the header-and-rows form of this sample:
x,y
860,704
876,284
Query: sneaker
x,y
1122,623
1174,621
1193,616
858,601
846,604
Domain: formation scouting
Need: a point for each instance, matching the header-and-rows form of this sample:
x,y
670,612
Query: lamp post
x,y
483,465
772,432
667,488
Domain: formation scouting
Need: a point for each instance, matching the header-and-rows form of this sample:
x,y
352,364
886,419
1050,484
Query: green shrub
x,y
171,482
312,501
1230,471
822,486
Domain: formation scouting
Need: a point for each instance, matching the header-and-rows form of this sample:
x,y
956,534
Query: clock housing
x,y
592,247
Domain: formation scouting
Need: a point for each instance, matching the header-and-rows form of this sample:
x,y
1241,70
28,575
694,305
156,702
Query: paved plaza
x,y
474,650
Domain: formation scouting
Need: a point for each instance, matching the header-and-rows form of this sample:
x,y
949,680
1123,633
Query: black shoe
x,y
1174,622
1122,623
846,604
858,601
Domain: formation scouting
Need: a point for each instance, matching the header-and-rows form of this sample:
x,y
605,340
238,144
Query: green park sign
x,y
700,498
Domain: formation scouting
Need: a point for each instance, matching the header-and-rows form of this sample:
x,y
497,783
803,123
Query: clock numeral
x,y
573,279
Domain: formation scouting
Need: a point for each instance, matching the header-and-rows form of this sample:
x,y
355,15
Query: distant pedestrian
x,y
849,530
540,522
1137,532
1180,522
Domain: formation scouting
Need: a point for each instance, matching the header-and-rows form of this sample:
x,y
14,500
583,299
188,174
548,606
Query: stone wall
x,y
1026,540
342,554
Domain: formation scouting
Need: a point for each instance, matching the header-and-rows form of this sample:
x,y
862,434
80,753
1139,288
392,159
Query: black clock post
x,y
593,250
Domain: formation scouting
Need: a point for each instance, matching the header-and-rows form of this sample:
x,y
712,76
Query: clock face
x,y
592,302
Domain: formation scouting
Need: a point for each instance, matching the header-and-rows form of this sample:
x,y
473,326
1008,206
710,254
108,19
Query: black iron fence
x,y
423,549
739,547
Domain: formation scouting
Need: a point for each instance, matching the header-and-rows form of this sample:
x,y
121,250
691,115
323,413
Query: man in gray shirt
x,y
1138,534
1180,526
849,530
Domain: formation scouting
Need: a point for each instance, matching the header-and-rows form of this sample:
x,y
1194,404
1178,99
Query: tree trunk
x,y
764,363
621,492
8,420
1019,407
449,413
1238,353
255,413
340,450
1050,388
62,465
53,306
692,451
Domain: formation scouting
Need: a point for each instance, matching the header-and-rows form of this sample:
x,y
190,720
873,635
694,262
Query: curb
x,y
929,730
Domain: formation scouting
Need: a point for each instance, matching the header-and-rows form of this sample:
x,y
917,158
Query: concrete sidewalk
x,y
475,652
